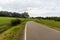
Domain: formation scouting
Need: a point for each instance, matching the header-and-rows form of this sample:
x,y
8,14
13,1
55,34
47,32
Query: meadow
x,y
8,32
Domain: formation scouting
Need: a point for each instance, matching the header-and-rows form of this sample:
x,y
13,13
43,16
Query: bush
x,y
15,22
58,19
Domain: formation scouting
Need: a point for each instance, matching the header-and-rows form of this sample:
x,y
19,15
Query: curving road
x,y
35,31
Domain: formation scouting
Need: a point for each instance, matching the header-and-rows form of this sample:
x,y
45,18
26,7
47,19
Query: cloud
x,y
34,7
1,8
38,11
7,1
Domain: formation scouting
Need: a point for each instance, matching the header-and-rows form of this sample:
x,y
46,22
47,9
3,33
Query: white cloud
x,y
6,1
38,11
1,8
34,7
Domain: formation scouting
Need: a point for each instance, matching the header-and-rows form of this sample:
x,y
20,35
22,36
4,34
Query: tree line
x,y
14,14
49,18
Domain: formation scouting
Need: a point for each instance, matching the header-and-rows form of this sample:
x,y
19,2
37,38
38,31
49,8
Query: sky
x,y
33,7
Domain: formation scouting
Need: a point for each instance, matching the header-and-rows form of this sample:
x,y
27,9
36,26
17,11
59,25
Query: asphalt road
x,y
36,31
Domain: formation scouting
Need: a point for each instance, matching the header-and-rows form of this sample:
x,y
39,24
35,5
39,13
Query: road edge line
x,y
25,32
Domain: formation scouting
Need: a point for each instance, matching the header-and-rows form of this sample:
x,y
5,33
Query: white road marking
x,y
25,32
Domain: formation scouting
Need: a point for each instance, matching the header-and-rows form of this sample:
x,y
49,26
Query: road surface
x,y
36,31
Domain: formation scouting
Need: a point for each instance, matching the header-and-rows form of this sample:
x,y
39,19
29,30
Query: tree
x,y
25,15
14,14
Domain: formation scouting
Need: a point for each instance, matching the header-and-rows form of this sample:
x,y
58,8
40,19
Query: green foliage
x,y
14,14
49,18
15,22
25,15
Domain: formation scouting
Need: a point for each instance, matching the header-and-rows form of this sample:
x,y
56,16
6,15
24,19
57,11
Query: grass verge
x,y
49,23
13,33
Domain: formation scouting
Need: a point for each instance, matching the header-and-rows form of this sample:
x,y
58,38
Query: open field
x,y
49,23
5,21
10,32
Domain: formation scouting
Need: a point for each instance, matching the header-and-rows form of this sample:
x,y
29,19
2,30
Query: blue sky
x,y
33,7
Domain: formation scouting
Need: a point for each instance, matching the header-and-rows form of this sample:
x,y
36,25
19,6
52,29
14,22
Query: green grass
x,y
5,21
13,33
10,32
50,23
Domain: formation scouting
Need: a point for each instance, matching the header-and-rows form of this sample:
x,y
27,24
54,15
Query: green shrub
x,y
15,22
